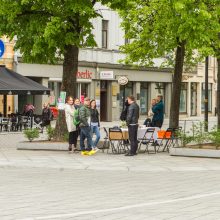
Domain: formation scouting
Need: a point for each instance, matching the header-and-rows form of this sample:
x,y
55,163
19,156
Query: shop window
x,y
104,33
144,98
160,87
82,91
209,97
183,98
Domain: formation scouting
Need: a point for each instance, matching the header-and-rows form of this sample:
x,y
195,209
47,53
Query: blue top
x,y
158,111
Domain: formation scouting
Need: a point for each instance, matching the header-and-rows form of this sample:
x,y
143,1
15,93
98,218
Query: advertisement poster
x,y
63,96
61,100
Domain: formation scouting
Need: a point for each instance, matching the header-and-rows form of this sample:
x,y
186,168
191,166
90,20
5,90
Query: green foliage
x,y
214,136
158,27
199,135
185,138
66,137
44,28
31,134
50,132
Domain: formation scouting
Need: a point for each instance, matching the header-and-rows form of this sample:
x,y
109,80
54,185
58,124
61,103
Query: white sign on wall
x,y
106,75
122,80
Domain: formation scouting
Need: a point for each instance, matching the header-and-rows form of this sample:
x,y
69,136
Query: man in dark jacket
x,y
132,123
85,130
158,110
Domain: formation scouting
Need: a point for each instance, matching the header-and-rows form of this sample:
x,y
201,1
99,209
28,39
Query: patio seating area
x,y
150,139
18,122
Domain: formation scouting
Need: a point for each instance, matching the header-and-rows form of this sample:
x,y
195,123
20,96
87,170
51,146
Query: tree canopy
x,y
157,27
177,30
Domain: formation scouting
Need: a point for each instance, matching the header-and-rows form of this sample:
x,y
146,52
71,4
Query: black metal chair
x,y
106,142
170,138
5,124
147,139
116,140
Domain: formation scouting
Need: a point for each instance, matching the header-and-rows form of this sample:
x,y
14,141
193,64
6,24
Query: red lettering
x,y
84,75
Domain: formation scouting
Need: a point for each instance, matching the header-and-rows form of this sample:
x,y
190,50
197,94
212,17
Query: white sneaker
x,y
96,149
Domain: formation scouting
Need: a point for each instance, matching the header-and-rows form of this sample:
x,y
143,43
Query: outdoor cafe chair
x,y
169,138
5,124
116,140
37,121
106,142
147,139
25,121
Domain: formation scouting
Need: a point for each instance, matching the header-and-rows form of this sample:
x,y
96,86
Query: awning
x,y
12,83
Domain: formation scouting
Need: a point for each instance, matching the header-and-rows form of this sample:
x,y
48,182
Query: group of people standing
x,y
82,120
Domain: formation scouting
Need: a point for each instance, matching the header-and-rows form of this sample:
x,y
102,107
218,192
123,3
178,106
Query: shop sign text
x,y
84,74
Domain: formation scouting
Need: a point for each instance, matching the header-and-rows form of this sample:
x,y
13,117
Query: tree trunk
x,y
60,133
70,68
218,92
176,86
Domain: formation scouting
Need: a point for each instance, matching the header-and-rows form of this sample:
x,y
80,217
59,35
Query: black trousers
x,y
132,131
73,135
157,123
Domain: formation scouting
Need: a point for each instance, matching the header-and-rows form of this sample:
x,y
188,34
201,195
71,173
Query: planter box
x,y
190,152
42,145
46,145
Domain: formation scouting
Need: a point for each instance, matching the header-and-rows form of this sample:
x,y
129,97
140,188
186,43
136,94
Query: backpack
x,y
76,120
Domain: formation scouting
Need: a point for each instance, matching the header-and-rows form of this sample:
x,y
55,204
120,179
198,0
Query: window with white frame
x,y
183,98
104,33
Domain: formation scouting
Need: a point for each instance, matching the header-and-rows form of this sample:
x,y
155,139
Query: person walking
x,y
95,123
69,113
158,110
132,123
46,116
85,129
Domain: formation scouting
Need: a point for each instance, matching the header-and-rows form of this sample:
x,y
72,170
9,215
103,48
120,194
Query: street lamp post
x,y
206,93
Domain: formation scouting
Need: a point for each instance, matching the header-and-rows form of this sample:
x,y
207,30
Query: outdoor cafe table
x,y
141,132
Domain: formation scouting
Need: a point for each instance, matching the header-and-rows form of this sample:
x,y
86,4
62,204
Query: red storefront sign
x,y
84,74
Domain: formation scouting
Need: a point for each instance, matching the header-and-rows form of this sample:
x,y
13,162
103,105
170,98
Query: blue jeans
x,y
95,129
85,133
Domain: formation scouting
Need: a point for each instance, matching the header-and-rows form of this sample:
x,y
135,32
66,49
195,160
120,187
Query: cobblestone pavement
x,y
57,185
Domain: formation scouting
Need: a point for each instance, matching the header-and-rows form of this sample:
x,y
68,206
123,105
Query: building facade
x,y
99,71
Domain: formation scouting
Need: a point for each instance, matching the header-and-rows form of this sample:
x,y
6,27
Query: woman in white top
x,y
69,113
150,114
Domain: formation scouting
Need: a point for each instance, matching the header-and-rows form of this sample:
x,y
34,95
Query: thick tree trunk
x,y
70,68
60,133
176,87
218,92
